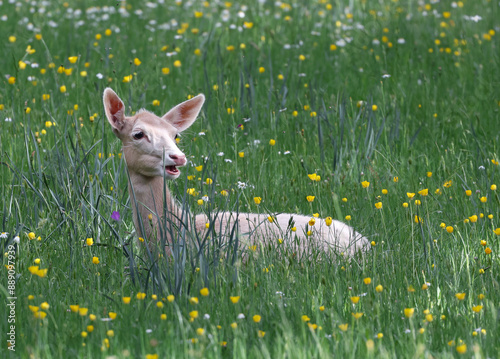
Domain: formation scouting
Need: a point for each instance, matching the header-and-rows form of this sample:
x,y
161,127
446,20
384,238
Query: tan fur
x,y
146,159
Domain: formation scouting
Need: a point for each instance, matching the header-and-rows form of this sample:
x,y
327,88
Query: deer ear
x,y
114,109
184,114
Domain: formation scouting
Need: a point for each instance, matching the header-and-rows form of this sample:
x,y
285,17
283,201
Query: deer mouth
x,y
172,170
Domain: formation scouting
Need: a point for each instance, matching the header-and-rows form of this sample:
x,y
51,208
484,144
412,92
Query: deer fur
x,y
151,154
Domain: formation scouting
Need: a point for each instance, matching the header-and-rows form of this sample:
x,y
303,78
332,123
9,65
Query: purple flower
x,y
115,215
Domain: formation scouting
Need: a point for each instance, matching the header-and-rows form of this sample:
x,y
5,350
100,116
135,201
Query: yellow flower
x,y
234,325
384,191
409,312
193,314
357,315
344,327
378,205
73,59
328,221
83,311
234,300
193,300
493,187
461,349
468,192
256,318
270,219
405,204
140,295
62,89
200,331
241,154
310,199
137,62
395,179
497,231
429,318
204,292
429,174
40,315
473,218
257,200
424,192
379,288
112,315
365,184
108,32
159,304
302,57
460,296
261,334
152,356
348,218
449,229
74,308
312,222
380,335
305,318
177,63
95,260
45,306
209,181
487,250
90,241
110,333
31,235
165,70
92,317
126,300
374,108
410,195
262,70
483,199
367,280
355,300
448,184
127,79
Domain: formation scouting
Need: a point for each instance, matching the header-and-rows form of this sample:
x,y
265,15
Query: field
x,y
383,114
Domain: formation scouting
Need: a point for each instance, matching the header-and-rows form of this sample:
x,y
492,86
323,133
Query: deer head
x,y
149,144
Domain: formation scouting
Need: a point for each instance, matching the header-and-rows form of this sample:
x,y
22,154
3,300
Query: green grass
x,y
61,176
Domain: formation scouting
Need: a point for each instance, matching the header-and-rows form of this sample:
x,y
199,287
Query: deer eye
x,y
138,135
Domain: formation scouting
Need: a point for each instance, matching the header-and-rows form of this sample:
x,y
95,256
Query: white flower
x,y
99,76
241,316
228,160
340,43
17,239
246,119
256,142
205,198
8,119
386,76
407,331
287,152
401,40
170,54
149,331
3,235
201,134
481,168
206,316
220,154
376,42
241,185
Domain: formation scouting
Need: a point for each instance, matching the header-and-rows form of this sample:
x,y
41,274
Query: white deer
x,y
152,155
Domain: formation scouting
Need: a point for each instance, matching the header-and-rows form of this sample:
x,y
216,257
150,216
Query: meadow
x,y
381,114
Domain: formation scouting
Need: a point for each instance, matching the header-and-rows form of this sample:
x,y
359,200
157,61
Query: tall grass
x,y
432,124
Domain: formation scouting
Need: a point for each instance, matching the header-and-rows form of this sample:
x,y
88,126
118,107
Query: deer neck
x,y
149,194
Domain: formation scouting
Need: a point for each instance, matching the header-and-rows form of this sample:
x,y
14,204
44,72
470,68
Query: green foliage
x,y
398,94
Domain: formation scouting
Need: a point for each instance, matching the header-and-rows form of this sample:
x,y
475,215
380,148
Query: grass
x,y
309,76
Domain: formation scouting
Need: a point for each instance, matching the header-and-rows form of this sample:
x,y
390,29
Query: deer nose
x,y
180,160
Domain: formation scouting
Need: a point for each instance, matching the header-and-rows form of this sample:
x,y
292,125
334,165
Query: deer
x,y
152,157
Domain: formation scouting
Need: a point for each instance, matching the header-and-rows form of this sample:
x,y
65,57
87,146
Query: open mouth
x,y
172,170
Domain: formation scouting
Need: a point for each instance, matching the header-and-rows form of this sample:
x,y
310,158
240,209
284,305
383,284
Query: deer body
x,y
152,155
